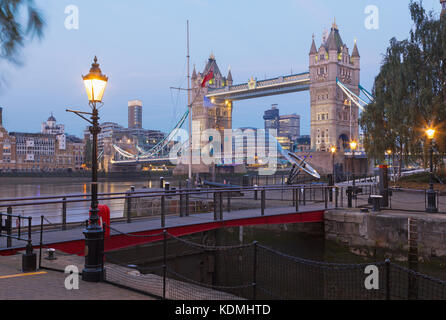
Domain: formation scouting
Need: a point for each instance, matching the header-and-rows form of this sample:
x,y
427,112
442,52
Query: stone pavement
x,y
50,285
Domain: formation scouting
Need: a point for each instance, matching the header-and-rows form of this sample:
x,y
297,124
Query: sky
x,y
141,47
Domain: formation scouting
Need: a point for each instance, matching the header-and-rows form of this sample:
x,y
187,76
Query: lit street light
x,y
95,83
431,195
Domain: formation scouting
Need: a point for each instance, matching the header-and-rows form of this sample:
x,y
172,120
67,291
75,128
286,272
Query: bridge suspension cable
x,y
142,154
354,97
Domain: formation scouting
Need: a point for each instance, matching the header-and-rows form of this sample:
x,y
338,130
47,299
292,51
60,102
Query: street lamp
x,y
431,195
95,83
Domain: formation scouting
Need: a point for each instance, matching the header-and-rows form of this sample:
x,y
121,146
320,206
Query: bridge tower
x,y
333,121
216,115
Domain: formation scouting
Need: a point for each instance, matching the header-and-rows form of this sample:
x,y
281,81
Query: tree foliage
x,y
19,20
409,90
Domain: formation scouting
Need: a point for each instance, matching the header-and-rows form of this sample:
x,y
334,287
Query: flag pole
x,y
189,106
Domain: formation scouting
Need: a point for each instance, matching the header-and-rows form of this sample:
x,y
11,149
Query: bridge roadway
x,y
72,240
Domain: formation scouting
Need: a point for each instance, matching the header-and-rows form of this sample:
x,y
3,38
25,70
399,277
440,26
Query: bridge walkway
x,y
72,239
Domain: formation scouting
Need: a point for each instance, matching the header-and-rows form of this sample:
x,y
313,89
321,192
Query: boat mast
x,y
189,106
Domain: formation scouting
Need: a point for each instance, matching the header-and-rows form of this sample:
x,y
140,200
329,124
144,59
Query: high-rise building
x,y
135,114
289,126
271,118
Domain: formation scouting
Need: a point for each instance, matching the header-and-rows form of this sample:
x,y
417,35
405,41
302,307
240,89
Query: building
x,y
7,148
289,126
333,121
35,151
303,143
219,114
135,114
72,156
286,126
50,126
131,140
271,118
443,7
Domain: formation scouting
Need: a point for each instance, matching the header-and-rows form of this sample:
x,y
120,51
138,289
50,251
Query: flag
x,y
207,103
208,77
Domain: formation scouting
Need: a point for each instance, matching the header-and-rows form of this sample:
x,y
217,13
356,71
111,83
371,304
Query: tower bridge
x,y
333,122
263,88
333,80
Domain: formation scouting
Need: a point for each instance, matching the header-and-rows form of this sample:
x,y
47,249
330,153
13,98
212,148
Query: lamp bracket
x,y
80,114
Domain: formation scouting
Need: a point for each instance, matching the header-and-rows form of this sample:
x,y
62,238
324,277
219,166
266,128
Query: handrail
x,y
169,193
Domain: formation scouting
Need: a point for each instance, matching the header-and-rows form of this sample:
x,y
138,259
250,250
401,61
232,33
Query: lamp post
x,y
431,195
333,175
95,83
389,161
333,151
353,145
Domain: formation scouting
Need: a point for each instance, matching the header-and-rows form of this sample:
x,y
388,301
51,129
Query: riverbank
x,y
386,231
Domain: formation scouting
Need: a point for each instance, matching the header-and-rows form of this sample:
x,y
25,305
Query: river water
x,y
40,187
285,239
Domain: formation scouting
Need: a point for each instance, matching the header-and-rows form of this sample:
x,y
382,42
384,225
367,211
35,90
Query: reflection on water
x,y
77,211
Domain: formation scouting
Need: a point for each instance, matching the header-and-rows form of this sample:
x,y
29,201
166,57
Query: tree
x,y
409,90
16,27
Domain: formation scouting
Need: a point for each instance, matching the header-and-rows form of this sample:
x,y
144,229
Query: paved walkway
x,y
50,285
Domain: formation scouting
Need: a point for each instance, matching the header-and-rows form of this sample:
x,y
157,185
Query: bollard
x,y
255,193
376,201
29,258
161,183
263,201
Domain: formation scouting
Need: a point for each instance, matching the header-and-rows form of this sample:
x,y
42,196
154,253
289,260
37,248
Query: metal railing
x,y
69,211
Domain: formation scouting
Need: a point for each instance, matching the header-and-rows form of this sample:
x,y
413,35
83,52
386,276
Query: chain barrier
x,y
210,248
